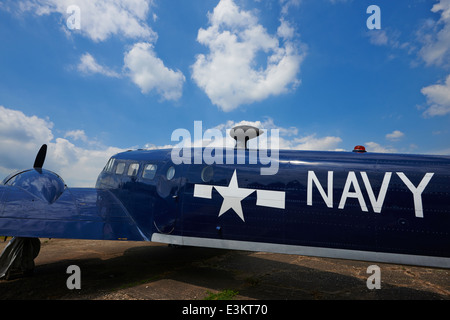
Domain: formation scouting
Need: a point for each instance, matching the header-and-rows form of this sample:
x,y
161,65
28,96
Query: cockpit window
x,y
149,171
120,167
133,169
109,166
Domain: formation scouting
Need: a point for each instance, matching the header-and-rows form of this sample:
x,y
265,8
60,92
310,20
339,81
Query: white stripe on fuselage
x,y
429,261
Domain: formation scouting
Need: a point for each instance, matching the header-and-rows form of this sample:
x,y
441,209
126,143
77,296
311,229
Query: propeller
x,y
40,157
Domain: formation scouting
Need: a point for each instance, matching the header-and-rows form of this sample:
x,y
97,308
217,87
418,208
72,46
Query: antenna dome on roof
x,y
244,133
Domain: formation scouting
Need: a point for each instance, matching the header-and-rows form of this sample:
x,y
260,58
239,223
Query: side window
x,y
120,167
170,173
149,171
133,169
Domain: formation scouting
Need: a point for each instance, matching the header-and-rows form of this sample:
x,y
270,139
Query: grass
x,y
223,295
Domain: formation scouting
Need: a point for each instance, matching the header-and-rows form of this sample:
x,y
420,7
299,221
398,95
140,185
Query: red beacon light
x,y
359,149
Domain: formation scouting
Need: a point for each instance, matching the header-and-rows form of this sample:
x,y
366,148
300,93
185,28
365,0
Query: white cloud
x,y
376,147
230,73
378,37
286,4
101,19
435,37
21,137
436,42
438,98
88,65
144,68
388,37
285,30
311,142
395,135
149,72
76,135
15,126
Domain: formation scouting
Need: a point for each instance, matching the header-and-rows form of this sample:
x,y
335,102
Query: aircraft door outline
x,y
170,181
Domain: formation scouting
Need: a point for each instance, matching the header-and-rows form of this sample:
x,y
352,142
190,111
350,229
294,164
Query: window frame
x,y
120,163
131,166
110,165
145,170
170,173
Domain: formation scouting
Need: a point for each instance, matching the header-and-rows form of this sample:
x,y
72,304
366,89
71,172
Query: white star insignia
x,y
232,197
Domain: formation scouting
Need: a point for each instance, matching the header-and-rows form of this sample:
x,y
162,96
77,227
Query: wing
x,y
78,213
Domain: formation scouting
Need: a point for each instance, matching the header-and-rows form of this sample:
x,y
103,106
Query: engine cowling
x,y
42,183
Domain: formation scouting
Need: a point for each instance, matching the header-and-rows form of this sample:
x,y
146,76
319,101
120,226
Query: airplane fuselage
x,y
382,207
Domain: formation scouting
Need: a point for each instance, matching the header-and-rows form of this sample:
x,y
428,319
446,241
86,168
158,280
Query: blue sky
x,y
135,71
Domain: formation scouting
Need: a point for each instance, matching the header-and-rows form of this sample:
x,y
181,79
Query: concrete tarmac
x,y
113,270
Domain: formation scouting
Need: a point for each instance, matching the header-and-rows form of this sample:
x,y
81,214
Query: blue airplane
x,y
353,205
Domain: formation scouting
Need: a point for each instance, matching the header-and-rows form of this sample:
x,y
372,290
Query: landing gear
x,y
17,259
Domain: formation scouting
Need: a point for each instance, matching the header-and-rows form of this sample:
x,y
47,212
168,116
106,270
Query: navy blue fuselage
x,y
393,204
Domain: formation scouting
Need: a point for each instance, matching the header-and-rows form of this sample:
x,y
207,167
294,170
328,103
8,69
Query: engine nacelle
x,y
42,183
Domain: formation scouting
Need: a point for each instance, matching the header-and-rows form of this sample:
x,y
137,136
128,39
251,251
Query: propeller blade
x,y
40,157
